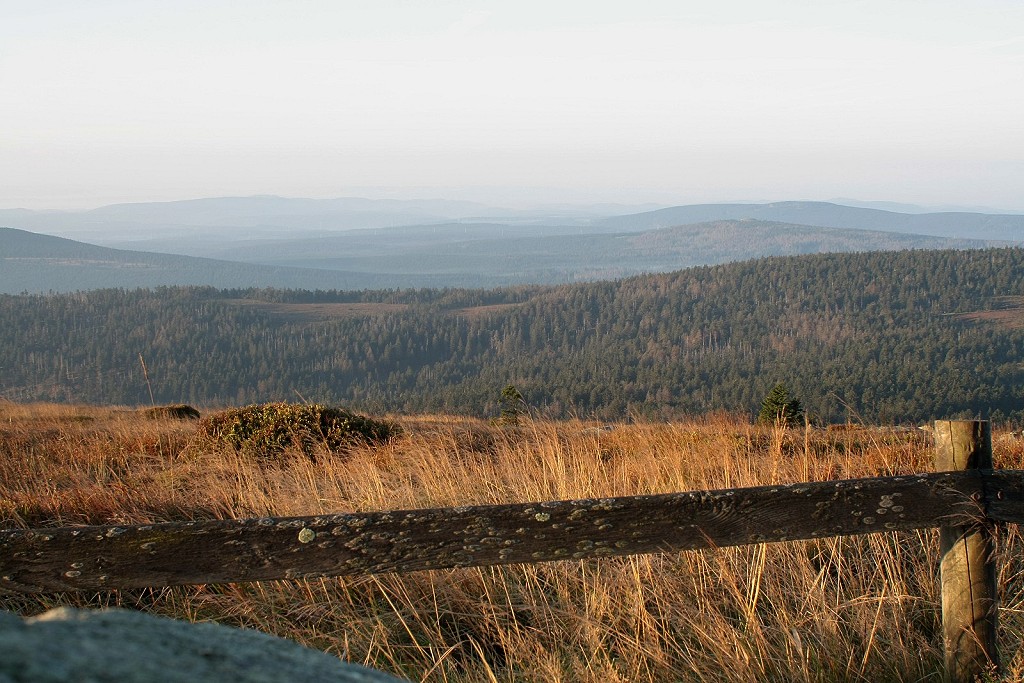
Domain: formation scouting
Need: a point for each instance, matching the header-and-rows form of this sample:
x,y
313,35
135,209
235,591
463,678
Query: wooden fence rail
x,y
222,551
962,503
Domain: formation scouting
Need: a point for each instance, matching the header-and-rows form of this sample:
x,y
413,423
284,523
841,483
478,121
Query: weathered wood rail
x,y
964,504
222,551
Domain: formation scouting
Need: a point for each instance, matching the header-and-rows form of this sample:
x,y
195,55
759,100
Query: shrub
x,y
270,428
178,411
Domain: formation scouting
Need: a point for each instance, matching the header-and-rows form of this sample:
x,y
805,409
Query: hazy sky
x,y
675,102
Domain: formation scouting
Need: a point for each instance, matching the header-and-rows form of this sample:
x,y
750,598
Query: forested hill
x,y
879,337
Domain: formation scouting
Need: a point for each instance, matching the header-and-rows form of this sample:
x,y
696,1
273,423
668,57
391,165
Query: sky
x,y
673,102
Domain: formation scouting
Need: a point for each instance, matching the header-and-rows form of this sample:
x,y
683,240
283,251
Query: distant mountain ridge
x,y
30,262
354,243
442,255
21,244
201,226
959,225
268,215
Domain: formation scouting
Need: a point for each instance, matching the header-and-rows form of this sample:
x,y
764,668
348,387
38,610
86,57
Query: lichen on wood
x,y
224,551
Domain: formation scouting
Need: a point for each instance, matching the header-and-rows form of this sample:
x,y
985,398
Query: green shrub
x,y
269,428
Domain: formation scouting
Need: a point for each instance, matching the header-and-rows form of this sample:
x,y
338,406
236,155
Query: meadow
x,y
860,608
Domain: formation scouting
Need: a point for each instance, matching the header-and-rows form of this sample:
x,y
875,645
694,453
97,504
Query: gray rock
x,y
104,646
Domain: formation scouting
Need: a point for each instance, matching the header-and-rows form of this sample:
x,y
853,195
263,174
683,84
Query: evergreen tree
x,y
513,405
778,407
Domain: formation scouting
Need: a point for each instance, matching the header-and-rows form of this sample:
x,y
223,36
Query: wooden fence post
x,y
967,569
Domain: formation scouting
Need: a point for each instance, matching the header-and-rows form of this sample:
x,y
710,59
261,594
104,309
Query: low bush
x,y
270,428
179,411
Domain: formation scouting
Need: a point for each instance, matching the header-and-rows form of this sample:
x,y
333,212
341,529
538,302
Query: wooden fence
x,y
966,499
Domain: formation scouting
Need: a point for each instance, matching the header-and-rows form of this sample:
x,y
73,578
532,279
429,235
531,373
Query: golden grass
x,y
849,609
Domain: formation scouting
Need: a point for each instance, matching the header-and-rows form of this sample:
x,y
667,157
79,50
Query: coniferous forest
x,y
886,337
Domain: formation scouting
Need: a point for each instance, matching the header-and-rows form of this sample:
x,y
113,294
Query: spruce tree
x,y
513,405
778,407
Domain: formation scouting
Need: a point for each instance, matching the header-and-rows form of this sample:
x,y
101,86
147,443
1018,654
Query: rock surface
x,y
93,646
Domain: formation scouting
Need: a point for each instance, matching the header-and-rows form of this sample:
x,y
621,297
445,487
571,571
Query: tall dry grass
x,y
847,609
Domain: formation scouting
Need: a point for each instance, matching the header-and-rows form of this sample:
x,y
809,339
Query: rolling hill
x,y
42,263
439,255
182,226
960,225
153,226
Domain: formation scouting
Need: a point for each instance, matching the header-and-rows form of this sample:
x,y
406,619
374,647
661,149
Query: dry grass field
x,y
851,609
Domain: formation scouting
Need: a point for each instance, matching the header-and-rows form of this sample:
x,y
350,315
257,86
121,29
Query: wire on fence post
x,y
967,565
